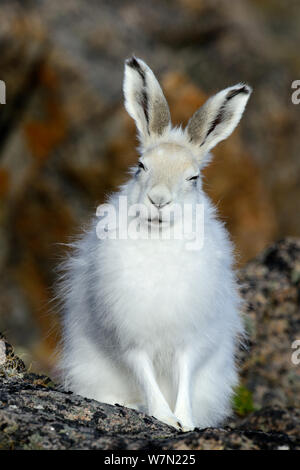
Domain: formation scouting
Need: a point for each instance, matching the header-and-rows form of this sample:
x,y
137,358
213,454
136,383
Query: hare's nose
x,y
159,204
159,198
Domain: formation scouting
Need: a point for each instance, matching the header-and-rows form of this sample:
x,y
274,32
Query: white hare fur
x,y
148,323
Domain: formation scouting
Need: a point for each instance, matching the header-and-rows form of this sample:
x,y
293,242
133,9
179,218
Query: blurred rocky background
x,y
66,140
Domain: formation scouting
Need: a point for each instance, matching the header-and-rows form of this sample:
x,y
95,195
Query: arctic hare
x,y
150,323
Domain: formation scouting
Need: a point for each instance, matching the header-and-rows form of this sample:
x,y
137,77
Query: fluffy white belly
x,y
157,293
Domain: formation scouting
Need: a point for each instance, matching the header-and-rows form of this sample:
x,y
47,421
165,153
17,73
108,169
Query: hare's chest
x,y
155,271
155,290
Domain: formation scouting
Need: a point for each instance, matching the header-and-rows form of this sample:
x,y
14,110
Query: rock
x,y
9,362
271,288
274,419
37,414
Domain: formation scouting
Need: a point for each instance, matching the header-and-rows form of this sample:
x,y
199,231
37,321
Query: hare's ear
x,y
218,117
144,100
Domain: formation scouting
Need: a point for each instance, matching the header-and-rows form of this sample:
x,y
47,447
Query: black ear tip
x,y
246,89
135,65
132,62
242,89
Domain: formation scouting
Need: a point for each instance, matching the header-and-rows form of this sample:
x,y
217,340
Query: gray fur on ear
x,y
144,100
218,117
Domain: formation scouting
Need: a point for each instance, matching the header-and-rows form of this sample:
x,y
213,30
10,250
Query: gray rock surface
x,y
35,414
270,285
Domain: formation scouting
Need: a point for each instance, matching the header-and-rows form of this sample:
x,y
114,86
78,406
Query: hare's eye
x,y
141,165
193,178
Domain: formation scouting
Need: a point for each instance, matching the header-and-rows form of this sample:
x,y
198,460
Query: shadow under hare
x,y
153,322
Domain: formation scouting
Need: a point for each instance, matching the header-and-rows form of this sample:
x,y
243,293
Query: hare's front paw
x,y
187,426
168,418
184,417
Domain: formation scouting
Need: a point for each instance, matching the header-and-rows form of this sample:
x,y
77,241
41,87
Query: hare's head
x,y
171,159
